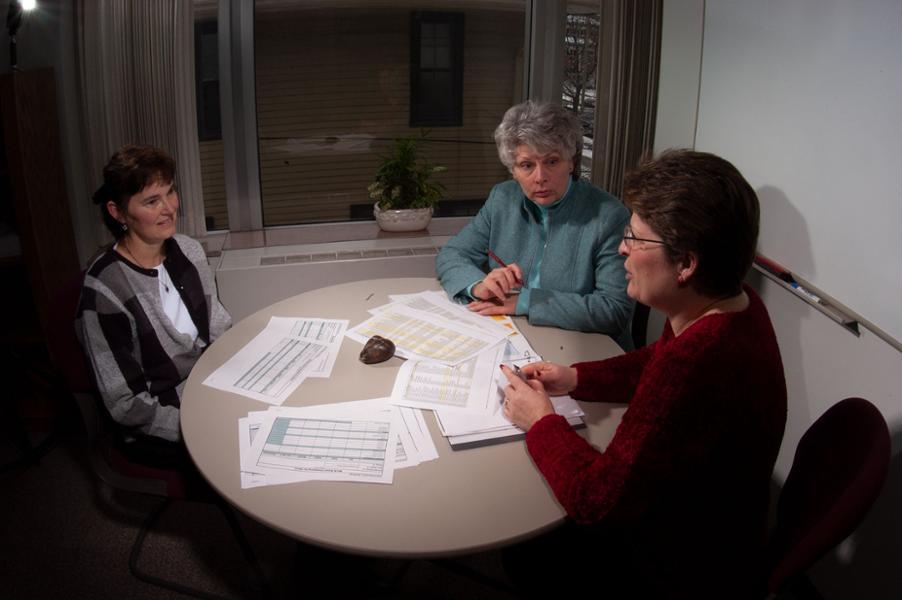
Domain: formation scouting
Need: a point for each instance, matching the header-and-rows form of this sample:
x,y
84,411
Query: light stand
x,y
13,21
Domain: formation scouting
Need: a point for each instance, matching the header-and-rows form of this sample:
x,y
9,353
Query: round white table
x,y
465,501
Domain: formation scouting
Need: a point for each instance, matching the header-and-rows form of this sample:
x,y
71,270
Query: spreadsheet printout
x,y
352,441
417,334
467,386
328,332
268,368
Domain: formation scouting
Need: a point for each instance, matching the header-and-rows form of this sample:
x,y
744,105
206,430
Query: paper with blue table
x,y
353,441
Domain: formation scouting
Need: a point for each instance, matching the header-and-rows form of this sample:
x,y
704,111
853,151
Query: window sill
x,y
215,243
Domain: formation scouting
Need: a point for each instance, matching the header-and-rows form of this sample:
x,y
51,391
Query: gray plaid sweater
x,y
140,360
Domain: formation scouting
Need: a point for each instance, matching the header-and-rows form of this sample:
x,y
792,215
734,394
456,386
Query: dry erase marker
x,y
813,297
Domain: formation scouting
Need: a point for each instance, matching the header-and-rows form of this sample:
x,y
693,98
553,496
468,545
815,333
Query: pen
x,y
503,264
494,257
517,371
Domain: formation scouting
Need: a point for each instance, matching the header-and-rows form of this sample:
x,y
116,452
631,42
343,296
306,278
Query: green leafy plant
x,y
404,180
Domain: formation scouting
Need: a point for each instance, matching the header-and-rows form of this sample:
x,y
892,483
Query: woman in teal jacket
x,y
557,234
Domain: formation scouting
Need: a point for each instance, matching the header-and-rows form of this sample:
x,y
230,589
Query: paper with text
x,y
329,332
467,386
334,442
417,334
268,368
437,303
460,423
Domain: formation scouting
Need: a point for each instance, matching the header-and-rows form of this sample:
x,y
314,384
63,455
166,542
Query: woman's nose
x,y
623,249
540,174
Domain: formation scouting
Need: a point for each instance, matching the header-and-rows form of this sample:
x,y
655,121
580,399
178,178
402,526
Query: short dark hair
x,y
131,169
700,203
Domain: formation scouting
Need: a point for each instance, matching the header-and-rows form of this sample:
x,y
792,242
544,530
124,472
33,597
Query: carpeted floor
x,y
65,534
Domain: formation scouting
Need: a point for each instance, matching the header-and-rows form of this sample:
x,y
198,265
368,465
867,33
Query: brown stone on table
x,y
376,350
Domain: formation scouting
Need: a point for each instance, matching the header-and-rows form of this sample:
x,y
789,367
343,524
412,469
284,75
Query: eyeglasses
x,y
630,240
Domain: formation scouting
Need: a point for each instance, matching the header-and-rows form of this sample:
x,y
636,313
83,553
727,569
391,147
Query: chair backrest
x,y
837,473
69,359
640,325
64,348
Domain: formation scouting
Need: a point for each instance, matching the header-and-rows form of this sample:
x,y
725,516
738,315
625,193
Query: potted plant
x,y
403,188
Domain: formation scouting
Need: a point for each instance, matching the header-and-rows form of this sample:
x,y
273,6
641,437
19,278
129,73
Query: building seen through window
x,y
334,92
436,69
581,39
336,84
209,121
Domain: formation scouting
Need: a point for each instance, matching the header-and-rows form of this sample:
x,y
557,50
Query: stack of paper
x,y
465,394
452,369
364,440
429,327
467,430
279,358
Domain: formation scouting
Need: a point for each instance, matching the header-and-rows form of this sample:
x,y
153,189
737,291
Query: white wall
x,y
681,55
805,98
823,362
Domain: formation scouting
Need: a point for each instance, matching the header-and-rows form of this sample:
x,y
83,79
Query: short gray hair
x,y
545,126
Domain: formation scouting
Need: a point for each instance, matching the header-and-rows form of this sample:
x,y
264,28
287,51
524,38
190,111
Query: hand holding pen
x,y
525,400
500,282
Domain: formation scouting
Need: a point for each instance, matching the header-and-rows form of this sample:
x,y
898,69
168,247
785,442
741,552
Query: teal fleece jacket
x,y
582,284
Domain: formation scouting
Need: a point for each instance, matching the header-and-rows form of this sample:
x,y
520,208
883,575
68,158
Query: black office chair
x,y
112,466
839,468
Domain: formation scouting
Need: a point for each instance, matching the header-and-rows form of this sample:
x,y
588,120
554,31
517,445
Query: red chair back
x,y
69,359
839,468
64,347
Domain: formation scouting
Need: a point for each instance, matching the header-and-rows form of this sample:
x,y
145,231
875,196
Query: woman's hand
x,y
525,402
556,379
495,306
499,283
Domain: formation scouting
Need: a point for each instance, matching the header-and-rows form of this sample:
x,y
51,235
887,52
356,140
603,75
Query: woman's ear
x,y
687,266
113,209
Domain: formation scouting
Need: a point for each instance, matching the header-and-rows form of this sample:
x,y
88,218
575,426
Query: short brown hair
x,y
131,169
700,203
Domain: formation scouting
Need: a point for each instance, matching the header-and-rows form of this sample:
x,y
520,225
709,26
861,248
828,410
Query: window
x,y
209,118
436,69
581,38
324,89
206,72
333,91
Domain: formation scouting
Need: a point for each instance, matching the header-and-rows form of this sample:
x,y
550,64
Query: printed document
x,y
269,367
413,447
352,441
420,335
329,332
437,303
467,386
464,428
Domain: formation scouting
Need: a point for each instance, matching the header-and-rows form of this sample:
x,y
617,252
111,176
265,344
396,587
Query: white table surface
x,y
465,501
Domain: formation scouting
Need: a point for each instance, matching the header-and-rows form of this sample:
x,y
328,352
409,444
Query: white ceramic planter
x,y
405,219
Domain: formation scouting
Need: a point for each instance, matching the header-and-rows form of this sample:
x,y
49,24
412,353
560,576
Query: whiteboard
x,y
805,98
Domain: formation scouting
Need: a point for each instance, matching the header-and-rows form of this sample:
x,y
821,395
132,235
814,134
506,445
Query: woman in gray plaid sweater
x,y
148,307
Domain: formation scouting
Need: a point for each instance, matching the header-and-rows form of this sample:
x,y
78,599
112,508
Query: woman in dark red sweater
x,y
678,500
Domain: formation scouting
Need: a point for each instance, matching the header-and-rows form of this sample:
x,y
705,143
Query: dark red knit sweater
x,y
687,473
